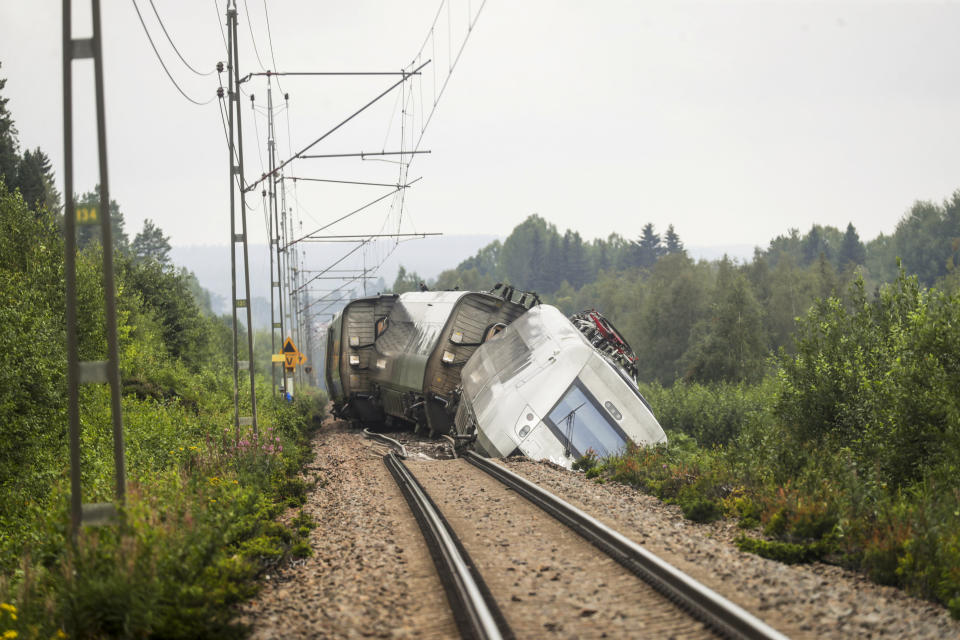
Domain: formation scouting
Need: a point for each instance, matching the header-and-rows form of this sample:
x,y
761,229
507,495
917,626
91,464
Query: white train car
x,y
540,388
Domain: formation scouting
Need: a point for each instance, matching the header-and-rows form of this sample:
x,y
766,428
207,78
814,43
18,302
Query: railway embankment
x,y
371,575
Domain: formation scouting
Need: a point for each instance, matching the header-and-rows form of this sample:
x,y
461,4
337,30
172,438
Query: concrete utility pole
x,y
285,275
233,75
276,287
95,371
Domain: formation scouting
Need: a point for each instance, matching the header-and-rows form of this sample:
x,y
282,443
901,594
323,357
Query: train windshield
x,y
581,424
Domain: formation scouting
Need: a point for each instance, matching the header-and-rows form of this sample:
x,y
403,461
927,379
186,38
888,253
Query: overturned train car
x,y
497,370
398,357
545,389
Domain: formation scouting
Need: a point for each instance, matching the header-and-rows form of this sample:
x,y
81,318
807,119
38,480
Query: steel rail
x,y
721,615
474,609
401,450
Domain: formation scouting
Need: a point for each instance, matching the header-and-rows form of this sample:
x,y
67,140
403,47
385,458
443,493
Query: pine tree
x,y
852,250
9,145
151,244
601,255
732,345
554,268
649,245
577,265
36,180
815,244
673,241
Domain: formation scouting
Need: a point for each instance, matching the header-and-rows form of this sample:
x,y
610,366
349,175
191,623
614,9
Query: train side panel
x,y
352,361
401,354
474,319
332,368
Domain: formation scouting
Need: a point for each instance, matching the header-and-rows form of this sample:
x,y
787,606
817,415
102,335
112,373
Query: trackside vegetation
x,y
200,523
849,453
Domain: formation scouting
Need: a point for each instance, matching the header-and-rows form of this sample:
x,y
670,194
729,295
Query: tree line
x,y
708,321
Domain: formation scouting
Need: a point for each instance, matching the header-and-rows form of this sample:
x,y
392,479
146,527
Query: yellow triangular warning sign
x,y
288,346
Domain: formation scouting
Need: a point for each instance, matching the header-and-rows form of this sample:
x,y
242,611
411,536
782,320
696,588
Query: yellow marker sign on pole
x,y
87,215
276,357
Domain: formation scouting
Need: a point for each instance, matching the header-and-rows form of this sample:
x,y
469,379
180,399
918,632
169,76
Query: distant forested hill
x,y
714,320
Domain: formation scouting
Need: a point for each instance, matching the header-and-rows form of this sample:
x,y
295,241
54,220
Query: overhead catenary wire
x,y
162,64
223,35
170,40
341,124
253,40
256,134
273,58
352,213
416,115
471,23
226,136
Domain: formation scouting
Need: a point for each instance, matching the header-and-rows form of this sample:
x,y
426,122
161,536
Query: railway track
x,y
671,601
474,608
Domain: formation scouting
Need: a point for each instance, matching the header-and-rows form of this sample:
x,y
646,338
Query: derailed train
x,y
497,370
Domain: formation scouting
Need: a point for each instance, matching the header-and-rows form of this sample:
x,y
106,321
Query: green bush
x,y
786,552
712,414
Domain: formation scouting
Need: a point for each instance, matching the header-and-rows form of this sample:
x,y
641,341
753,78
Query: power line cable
x,y
223,35
256,135
167,71
226,138
273,58
252,38
471,23
170,40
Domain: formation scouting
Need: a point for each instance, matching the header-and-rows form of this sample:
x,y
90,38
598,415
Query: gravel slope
x,y
803,601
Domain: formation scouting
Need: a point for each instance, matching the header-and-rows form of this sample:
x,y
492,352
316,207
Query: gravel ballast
x,y
548,581
370,574
802,601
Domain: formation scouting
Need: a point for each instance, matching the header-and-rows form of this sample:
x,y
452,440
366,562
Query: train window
x,y
382,325
493,331
581,425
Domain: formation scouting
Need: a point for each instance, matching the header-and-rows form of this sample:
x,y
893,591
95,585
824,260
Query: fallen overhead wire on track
x,y
396,444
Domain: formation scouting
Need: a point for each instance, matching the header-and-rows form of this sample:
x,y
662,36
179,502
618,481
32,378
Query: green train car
x,y
397,358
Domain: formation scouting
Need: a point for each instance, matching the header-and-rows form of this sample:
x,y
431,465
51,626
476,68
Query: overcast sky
x,y
733,121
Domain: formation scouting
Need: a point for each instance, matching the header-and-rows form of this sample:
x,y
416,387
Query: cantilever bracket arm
x,y
331,131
